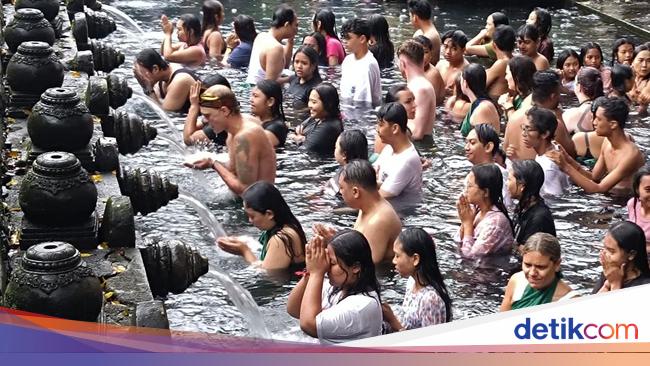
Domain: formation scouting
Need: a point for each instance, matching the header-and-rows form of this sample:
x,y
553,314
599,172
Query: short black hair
x,y
458,37
361,173
394,113
545,83
617,109
544,120
504,38
421,8
283,14
150,57
528,31
357,26
486,134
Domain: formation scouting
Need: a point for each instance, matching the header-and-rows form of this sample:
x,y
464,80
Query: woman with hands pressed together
x,y
189,52
486,230
283,240
624,258
338,300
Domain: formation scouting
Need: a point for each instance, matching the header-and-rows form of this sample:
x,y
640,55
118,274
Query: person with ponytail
x,y
213,42
266,104
486,228
338,300
426,301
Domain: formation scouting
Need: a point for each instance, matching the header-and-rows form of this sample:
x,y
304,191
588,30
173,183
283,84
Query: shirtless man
x,y
546,94
503,42
268,56
420,11
251,156
453,45
528,41
377,219
619,157
411,63
430,71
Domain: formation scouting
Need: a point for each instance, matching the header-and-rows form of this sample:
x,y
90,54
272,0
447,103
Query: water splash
x,y
244,301
125,17
160,112
206,216
180,148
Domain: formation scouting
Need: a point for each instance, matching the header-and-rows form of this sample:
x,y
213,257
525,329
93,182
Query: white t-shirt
x,y
355,317
401,175
361,79
555,180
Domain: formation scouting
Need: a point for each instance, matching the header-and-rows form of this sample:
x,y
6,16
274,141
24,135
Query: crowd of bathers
x,y
499,87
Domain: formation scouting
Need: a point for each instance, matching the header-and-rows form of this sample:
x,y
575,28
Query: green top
x,y
532,297
466,126
264,240
492,54
517,102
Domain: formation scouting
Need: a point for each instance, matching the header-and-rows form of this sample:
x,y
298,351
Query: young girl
x,y
592,55
345,305
316,41
486,229
323,23
426,301
266,104
481,44
638,207
212,39
641,66
306,77
539,281
622,52
519,75
283,240
351,145
568,62
379,43
541,19
482,109
189,52
319,132
240,43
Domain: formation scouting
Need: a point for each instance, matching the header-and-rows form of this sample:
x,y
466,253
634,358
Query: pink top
x,y
492,235
635,215
334,48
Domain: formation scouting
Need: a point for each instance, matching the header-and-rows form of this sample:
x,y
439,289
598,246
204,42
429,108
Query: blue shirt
x,y
240,55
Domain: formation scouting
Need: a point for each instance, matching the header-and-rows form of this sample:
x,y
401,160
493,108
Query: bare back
x,y
252,157
432,33
381,227
267,59
433,75
425,106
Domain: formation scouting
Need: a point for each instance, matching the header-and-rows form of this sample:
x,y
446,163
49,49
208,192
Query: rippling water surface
x,y
580,219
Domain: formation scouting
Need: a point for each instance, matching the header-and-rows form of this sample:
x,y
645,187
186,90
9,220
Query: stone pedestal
x,y
82,236
84,155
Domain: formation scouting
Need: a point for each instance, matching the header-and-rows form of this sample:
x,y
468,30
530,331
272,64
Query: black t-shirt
x,y
641,280
299,93
278,128
321,135
535,219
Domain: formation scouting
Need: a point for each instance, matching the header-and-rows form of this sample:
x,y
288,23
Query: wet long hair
x,y
522,69
192,26
564,55
330,98
591,82
352,248
590,46
211,12
327,21
354,145
427,273
531,175
618,43
149,57
636,182
272,89
262,196
641,48
383,49
244,27
488,176
322,47
620,74
476,78
543,23
630,237
312,55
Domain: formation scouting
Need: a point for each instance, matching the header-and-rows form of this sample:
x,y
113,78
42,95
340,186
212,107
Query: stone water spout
x,y
172,266
105,57
99,23
129,130
51,278
146,188
110,91
28,25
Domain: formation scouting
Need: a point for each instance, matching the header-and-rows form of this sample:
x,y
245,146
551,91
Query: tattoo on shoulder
x,y
243,145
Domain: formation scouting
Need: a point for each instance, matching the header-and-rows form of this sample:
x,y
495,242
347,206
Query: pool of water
x,y
476,290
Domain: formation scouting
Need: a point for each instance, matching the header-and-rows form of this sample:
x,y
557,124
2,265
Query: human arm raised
x,y
318,264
